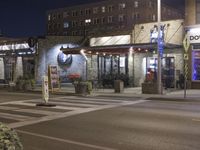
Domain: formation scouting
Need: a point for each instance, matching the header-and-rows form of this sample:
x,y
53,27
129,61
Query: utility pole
x,y
159,49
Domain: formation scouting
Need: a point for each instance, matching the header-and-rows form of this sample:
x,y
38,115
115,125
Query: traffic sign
x,y
186,43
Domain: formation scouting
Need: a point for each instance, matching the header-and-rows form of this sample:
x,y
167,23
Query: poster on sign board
x,y
54,82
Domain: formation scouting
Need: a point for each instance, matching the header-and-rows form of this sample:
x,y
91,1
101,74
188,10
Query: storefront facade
x,y
130,56
193,35
17,58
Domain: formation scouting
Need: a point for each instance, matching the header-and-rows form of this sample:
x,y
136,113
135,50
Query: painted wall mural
x,y
67,64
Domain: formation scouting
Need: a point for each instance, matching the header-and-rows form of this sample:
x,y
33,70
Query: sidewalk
x,y
193,94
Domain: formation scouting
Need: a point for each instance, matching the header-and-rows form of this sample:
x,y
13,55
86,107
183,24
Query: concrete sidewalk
x,y
133,92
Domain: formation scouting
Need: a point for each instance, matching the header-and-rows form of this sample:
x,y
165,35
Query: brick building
x,y
109,16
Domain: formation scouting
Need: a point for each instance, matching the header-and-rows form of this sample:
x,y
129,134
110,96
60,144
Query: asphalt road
x,y
102,123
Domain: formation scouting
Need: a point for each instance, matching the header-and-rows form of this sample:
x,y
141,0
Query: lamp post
x,y
159,49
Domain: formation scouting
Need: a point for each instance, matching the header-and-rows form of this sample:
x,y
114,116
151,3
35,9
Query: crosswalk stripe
x,y
35,111
15,117
8,108
94,99
80,101
74,104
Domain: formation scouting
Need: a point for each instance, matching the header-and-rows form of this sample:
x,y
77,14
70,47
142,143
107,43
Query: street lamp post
x,y
159,50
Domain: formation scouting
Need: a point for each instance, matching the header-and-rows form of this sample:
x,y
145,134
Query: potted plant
x,y
9,139
81,87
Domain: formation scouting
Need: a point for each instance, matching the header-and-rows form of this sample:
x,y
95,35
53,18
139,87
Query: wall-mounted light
x,y
82,52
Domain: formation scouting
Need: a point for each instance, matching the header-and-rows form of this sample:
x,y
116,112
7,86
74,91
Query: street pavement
x,y
146,125
17,113
104,120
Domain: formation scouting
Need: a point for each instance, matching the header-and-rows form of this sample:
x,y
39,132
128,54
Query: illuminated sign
x,y
194,35
154,33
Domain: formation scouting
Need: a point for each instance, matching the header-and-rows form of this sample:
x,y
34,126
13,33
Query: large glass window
x,y
196,65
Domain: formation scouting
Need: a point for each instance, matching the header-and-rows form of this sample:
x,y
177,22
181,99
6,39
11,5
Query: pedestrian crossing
x,y
25,112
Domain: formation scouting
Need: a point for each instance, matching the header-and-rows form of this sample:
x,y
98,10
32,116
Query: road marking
x,y
93,99
73,104
197,120
66,141
82,101
15,117
35,111
71,113
8,108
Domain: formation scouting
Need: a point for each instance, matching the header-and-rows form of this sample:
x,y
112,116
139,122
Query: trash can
x,y
119,86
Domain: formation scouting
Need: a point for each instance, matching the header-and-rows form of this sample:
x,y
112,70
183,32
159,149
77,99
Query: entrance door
x,y
168,72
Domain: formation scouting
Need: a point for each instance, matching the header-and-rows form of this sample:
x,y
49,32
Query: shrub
x,y
9,140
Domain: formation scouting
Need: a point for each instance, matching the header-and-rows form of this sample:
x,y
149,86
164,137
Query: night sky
x,y
25,18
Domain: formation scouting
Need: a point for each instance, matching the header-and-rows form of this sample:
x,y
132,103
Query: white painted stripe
x,y
66,108
35,111
8,108
197,120
82,101
57,107
73,104
72,113
15,117
94,99
66,141
24,104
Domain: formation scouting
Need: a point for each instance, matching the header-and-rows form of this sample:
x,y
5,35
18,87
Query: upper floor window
x,y
103,20
74,23
81,12
150,4
103,9
110,8
121,17
95,10
136,4
110,19
153,17
96,21
66,24
74,13
65,14
122,6
87,11
49,17
59,15
81,23
136,16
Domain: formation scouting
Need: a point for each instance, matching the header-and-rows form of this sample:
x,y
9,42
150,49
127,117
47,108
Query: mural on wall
x,y
64,61
70,64
67,64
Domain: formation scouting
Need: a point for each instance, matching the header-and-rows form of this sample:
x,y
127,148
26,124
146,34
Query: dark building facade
x,y
107,17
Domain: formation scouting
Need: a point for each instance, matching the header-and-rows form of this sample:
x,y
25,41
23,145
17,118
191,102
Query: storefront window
x,y
196,66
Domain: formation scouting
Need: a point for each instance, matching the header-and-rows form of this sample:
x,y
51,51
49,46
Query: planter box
x,y
149,88
119,86
82,88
